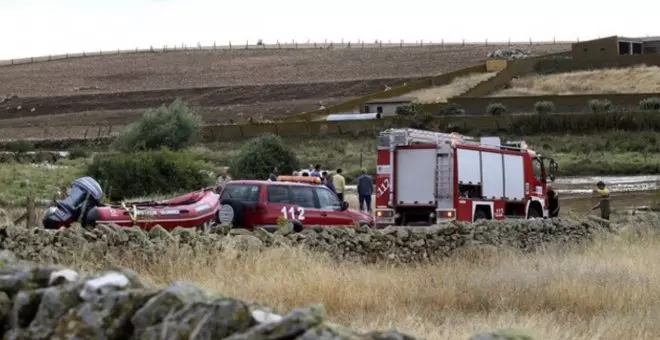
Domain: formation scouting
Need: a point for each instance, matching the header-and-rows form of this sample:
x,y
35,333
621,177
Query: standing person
x,y
340,184
553,202
329,182
317,171
222,180
273,175
603,195
365,187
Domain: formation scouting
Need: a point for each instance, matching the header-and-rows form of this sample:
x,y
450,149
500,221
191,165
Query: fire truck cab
x,y
427,178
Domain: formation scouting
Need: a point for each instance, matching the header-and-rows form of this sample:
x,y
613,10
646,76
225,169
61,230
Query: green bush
x,y
175,127
451,109
76,153
496,109
544,107
20,146
147,173
650,104
421,121
259,155
600,105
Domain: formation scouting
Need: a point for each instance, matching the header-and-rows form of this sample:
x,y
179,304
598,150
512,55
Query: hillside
x,y
640,79
140,72
65,98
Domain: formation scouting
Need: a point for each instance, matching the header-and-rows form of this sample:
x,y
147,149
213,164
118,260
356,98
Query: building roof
x,y
393,100
640,39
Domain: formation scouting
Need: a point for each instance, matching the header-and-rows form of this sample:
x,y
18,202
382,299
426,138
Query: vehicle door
x,y
278,203
330,208
305,207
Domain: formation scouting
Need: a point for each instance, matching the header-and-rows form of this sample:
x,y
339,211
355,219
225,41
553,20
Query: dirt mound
x,y
403,245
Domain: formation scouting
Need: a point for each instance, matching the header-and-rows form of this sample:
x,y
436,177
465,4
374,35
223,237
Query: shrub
x,y
20,146
259,155
421,121
496,109
147,173
76,153
600,105
175,127
451,109
408,110
650,104
544,107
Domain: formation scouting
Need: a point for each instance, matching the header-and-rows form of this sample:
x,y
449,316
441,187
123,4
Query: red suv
x,y
251,203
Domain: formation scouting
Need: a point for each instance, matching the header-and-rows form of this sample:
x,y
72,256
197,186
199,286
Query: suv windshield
x,y
241,192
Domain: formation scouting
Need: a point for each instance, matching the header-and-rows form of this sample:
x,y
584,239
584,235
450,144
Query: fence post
x,y
509,42
214,47
442,43
31,216
554,41
246,45
486,42
463,43
230,44
530,41
31,59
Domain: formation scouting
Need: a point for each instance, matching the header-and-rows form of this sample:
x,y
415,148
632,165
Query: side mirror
x,y
344,205
552,173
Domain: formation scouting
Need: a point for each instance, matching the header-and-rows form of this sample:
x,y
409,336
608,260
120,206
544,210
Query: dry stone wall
x,y
403,245
40,301
49,302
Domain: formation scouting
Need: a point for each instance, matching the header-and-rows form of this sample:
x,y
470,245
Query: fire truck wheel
x,y
534,213
480,214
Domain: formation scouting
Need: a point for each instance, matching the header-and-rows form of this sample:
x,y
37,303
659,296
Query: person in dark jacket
x,y
365,188
327,180
553,202
273,175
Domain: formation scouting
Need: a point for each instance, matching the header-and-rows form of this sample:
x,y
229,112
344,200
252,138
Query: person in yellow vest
x,y
340,184
603,195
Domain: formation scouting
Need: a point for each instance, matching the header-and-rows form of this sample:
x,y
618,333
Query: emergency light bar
x,y
299,179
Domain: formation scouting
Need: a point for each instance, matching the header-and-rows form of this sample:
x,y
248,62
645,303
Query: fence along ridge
x,y
272,46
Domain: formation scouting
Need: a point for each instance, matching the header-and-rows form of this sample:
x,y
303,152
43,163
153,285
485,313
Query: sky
x,y
49,27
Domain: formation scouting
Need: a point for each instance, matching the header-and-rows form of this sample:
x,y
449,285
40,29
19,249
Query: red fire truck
x,y
425,177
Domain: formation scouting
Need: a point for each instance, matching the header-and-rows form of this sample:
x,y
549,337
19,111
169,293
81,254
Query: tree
x,y
174,127
259,155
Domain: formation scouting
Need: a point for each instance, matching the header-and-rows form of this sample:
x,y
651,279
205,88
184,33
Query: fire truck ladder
x,y
424,136
411,136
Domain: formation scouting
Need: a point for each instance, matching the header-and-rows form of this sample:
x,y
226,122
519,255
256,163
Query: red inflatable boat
x,y
191,210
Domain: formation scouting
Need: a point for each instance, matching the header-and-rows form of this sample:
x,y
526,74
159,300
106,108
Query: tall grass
x,y
608,290
640,79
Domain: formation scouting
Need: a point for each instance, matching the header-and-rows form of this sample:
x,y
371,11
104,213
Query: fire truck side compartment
x,y
469,166
416,176
492,174
514,184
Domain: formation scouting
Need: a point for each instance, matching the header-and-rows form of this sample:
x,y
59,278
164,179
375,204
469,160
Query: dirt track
x,y
223,84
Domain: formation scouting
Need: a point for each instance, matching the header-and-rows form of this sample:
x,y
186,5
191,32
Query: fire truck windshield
x,y
545,171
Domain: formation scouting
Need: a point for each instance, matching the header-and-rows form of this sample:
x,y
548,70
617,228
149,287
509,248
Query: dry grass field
x,y
641,79
608,290
440,94
224,85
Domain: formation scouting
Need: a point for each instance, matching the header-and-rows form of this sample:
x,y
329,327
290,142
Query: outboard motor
x,y
86,193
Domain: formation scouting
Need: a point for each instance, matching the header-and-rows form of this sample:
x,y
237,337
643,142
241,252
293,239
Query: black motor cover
x,y
86,193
